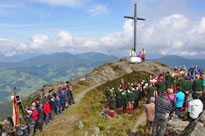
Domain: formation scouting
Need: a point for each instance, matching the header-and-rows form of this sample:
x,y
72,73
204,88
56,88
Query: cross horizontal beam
x,y
137,18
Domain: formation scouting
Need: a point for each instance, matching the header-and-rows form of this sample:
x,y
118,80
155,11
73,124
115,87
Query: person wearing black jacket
x,y
53,107
40,117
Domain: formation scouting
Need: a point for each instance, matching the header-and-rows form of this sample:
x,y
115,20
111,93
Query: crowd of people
x,y
164,94
41,112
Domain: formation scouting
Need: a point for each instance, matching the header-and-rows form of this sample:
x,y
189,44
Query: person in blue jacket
x,y
179,101
63,99
58,105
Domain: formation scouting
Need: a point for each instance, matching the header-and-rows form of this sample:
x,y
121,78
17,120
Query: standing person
x,y
172,99
168,80
50,94
40,117
8,128
188,90
118,96
136,93
122,84
37,103
131,99
35,116
44,99
124,100
150,92
181,81
112,106
179,101
132,53
160,86
58,105
47,111
107,95
197,85
53,107
63,99
71,99
150,113
139,89
143,55
30,122
163,107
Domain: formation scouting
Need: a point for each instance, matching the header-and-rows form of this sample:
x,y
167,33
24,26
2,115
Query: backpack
x,y
173,103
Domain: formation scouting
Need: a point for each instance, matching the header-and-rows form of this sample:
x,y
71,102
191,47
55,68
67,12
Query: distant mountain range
x,y
173,61
29,75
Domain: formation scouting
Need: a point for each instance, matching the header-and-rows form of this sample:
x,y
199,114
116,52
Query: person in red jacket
x,y
47,111
34,113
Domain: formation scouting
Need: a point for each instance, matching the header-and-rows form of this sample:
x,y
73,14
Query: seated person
x,y
195,107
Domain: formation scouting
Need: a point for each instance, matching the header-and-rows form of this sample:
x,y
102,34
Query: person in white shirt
x,y
132,53
195,107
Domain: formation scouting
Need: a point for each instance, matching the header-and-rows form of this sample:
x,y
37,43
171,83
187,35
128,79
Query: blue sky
x,y
49,26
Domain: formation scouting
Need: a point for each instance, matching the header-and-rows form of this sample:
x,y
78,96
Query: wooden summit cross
x,y
135,18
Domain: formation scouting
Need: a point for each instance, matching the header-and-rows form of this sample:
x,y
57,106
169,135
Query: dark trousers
x,y
136,103
71,100
159,126
118,103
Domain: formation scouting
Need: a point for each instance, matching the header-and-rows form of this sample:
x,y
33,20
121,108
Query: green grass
x,y
94,101
88,112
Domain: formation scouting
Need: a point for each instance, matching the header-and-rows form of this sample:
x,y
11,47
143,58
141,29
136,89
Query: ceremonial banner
x,y
16,119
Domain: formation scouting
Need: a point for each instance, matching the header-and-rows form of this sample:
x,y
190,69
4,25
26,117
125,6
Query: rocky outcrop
x,y
112,70
177,126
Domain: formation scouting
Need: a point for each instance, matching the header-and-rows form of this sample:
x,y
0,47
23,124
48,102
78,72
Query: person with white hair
x,y
150,113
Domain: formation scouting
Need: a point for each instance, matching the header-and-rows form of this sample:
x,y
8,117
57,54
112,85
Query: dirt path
x,y
140,120
59,120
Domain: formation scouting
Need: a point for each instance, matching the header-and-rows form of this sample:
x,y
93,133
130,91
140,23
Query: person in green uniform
x,y
118,96
168,80
188,90
136,94
160,86
112,104
197,85
150,92
131,99
124,100
107,95
181,83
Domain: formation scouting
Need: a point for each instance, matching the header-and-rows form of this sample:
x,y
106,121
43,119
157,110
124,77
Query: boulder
x,y
105,116
80,125
95,131
176,126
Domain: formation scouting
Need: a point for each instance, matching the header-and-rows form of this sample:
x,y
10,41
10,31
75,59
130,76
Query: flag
x,y
16,119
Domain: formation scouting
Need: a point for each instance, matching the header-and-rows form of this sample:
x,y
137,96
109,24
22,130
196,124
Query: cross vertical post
x,y
135,18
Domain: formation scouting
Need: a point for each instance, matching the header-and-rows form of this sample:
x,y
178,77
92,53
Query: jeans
x,y
59,110
47,118
162,123
71,100
178,112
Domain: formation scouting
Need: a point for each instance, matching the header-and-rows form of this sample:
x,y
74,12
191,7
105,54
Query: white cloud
x,y
174,35
64,3
98,10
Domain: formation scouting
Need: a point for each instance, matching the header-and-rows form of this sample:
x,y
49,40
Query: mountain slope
x,y
31,74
